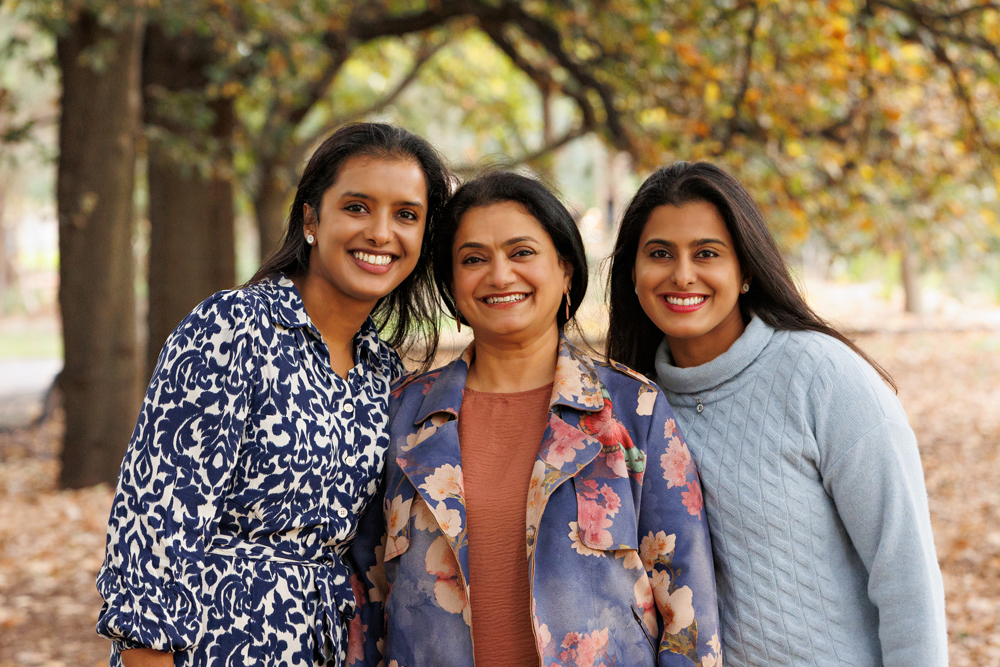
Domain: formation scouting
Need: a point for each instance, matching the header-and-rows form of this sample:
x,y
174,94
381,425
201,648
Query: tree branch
x,y
423,55
745,82
555,144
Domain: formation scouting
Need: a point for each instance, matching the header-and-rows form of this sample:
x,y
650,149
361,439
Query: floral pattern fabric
x,y
618,550
241,489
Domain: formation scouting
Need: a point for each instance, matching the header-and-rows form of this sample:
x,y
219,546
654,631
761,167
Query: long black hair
x,y
410,312
496,187
773,296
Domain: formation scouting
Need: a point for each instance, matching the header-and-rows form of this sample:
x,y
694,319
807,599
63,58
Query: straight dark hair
x,y
409,314
773,296
496,187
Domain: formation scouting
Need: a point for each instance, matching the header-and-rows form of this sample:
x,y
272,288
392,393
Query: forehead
x,y
391,178
681,224
495,223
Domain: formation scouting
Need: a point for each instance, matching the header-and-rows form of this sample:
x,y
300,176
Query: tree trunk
x,y
910,277
191,246
271,205
95,180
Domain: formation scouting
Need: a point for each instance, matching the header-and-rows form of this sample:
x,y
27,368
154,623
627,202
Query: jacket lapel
x,y
565,449
432,460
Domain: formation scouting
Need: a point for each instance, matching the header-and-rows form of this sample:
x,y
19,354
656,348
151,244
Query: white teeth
x,y
510,298
689,301
377,260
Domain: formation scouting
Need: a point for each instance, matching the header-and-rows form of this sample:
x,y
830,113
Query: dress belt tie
x,y
333,582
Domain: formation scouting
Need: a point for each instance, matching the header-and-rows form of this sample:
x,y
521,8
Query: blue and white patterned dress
x,y
241,490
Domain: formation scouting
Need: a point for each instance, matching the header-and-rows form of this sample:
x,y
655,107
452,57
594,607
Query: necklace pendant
x,y
700,407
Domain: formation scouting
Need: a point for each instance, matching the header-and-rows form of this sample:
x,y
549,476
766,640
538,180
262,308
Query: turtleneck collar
x,y
724,367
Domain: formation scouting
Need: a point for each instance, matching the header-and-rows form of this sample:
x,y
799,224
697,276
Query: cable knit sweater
x,y
816,505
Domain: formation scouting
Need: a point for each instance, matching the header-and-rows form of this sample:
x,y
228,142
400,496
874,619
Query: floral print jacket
x,y
618,556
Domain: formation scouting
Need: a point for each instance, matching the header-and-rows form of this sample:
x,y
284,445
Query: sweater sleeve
x,y
173,478
871,468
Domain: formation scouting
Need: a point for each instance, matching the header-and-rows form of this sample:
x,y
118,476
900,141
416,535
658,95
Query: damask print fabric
x,y
241,489
618,551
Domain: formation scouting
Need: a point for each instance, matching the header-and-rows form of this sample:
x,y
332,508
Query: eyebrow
x,y
671,244
362,195
509,242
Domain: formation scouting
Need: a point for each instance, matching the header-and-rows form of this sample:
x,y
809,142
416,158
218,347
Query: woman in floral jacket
x,y
520,523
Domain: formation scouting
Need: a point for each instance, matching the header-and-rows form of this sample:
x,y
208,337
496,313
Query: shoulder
x,y
842,383
414,383
631,392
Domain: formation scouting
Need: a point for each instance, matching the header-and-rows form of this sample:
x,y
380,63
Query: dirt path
x,y
51,542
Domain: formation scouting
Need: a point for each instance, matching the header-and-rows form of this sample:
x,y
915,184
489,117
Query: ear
x,y
567,274
310,220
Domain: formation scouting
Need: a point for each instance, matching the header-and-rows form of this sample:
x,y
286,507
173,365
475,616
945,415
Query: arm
x,y
173,479
675,549
871,468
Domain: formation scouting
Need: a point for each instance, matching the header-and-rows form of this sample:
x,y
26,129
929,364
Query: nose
x,y
684,273
379,230
501,273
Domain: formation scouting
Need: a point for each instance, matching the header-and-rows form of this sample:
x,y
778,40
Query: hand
x,y
146,657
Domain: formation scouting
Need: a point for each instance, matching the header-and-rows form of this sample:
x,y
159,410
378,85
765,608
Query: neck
x,y
688,352
507,367
336,316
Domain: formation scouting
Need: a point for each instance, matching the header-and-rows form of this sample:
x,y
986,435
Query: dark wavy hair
x,y
496,187
773,296
410,313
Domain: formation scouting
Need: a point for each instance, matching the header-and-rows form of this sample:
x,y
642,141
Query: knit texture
x,y
816,505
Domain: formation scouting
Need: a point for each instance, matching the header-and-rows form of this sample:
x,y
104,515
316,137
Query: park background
x,y
149,150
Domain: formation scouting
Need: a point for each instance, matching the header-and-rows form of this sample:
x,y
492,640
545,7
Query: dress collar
x,y
575,385
724,367
288,310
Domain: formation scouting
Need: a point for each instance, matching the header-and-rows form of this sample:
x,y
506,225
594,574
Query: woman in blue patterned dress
x,y
538,505
262,436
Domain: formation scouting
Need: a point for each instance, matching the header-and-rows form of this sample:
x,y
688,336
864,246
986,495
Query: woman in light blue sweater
x,y
815,494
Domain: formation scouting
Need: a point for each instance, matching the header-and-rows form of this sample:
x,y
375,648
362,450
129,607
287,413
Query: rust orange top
x,y
499,435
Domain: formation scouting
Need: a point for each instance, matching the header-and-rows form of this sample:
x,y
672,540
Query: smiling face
x,y
688,281
508,279
369,229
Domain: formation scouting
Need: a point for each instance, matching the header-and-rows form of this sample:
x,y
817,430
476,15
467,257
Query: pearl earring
x,y
746,287
311,238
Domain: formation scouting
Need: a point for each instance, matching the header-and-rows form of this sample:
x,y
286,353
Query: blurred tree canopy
x,y
870,123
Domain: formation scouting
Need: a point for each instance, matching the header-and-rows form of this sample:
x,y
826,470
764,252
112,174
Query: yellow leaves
x,y
996,175
795,149
866,171
712,93
654,116
990,218
911,52
663,37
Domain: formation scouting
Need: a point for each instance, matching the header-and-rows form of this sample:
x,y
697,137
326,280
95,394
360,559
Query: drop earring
x,y
458,320
567,304
746,287
311,238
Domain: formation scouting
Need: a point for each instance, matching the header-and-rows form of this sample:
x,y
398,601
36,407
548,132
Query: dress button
x,y
350,460
348,407
342,513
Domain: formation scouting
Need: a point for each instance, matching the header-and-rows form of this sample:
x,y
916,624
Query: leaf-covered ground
x,y
51,542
